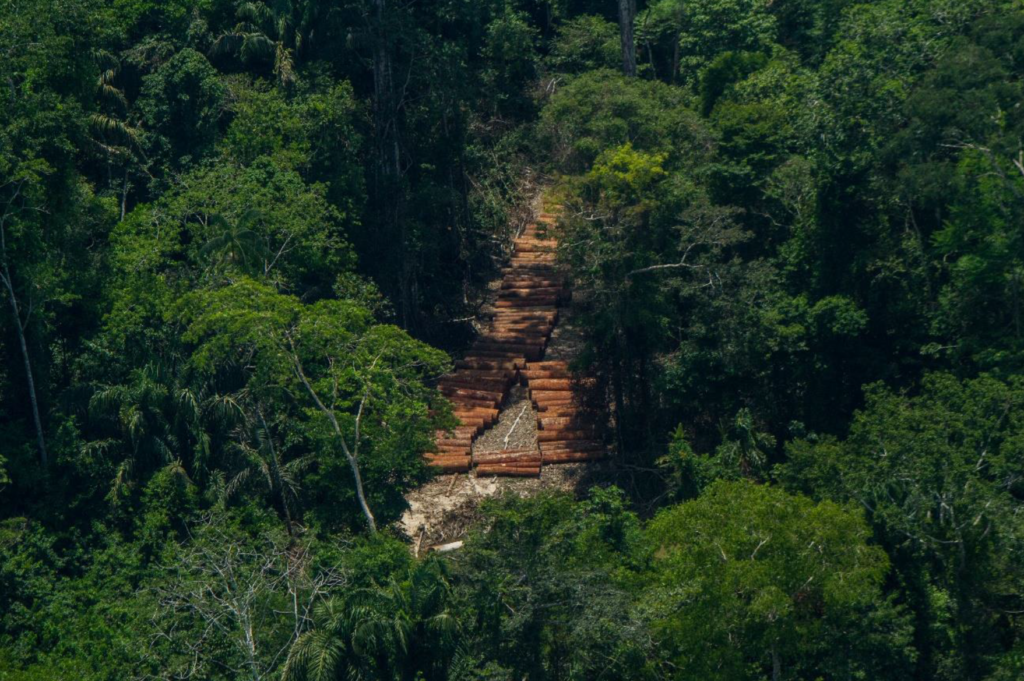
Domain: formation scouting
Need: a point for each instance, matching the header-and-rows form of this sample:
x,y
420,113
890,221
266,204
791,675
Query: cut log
x,y
452,467
474,383
537,374
556,422
532,459
494,395
569,445
558,405
550,384
447,458
547,395
497,471
560,435
549,365
572,457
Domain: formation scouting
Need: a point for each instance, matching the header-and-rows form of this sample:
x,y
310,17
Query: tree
x,y
697,31
16,203
748,577
362,385
627,13
261,459
938,475
269,32
400,628
235,602
547,587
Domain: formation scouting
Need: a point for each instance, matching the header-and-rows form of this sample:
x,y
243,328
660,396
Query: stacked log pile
x,y
565,433
521,323
510,349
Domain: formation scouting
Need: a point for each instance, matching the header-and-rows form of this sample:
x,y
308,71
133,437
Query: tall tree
x,y
361,385
16,203
627,13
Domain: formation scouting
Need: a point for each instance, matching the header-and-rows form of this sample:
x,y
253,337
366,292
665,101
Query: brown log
x,y
532,292
569,445
471,403
452,467
533,463
487,415
561,435
471,393
549,365
556,422
559,413
474,383
514,282
537,374
550,384
502,457
539,301
507,346
570,457
551,404
455,442
487,374
496,471
546,395
447,458
504,334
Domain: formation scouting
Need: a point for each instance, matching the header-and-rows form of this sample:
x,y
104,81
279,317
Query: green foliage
x,y
360,387
938,475
182,102
748,578
400,626
696,33
546,586
585,43
211,212
600,110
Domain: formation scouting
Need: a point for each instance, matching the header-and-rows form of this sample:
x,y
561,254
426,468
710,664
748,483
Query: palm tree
x,y
236,244
261,462
270,32
116,129
389,632
156,419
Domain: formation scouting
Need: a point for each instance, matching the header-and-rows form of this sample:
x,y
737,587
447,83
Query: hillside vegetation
x,y
242,240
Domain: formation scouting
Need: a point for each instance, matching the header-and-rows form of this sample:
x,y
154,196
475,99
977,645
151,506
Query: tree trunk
x,y
370,521
29,379
276,473
353,463
627,11
675,61
776,664
390,193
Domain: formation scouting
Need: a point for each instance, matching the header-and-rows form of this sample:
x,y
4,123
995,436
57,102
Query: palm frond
x,y
237,482
256,46
255,12
227,43
112,127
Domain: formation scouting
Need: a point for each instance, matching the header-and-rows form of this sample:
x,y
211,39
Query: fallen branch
x,y
515,423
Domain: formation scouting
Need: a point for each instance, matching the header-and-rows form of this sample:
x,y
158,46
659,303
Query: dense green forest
x,y
241,240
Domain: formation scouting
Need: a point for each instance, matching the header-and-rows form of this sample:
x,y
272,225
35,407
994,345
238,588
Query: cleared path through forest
x,y
510,353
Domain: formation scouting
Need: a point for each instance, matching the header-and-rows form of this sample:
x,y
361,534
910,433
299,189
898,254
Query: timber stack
x,y
509,351
565,434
